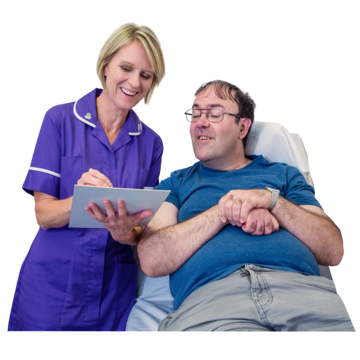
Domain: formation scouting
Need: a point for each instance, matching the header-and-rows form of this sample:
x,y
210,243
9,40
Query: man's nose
x,y
202,120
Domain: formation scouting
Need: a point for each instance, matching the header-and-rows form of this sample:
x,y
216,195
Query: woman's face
x,y
129,76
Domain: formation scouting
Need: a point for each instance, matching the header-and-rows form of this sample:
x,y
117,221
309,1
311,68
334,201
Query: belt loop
x,y
245,272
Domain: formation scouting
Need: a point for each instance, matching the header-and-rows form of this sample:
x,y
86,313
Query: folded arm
x,y
314,228
165,245
307,223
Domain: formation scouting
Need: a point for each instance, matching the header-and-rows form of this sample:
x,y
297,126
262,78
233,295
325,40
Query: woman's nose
x,y
134,80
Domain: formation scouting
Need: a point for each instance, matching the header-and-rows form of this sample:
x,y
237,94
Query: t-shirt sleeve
x,y
171,184
44,171
298,190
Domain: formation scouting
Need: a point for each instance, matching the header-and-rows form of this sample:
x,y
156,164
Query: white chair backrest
x,y
275,143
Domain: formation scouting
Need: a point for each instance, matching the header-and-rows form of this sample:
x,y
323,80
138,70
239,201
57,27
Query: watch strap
x,y
274,197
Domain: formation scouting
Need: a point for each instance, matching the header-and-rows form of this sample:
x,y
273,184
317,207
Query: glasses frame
x,y
207,114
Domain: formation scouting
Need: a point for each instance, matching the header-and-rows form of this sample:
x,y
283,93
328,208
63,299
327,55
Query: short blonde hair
x,y
124,35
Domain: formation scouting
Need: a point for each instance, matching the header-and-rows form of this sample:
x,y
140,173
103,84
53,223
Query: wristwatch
x,y
274,197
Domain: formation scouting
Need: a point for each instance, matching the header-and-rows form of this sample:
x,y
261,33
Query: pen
x,y
109,185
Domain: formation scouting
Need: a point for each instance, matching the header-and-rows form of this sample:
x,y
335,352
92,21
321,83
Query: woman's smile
x,y
128,92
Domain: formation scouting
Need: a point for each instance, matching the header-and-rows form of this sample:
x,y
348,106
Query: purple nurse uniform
x,y
75,278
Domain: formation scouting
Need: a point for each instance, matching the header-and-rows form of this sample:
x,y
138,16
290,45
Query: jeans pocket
x,y
167,321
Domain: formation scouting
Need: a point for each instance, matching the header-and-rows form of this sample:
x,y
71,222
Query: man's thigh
x,y
261,299
299,302
223,305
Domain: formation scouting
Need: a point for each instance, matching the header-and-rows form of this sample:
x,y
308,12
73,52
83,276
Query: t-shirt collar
x,y
254,159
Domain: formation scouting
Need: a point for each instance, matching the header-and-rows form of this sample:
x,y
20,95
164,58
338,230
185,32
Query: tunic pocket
x,y
42,295
71,171
143,176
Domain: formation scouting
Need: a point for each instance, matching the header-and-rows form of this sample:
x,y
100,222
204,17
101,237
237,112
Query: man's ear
x,y
244,127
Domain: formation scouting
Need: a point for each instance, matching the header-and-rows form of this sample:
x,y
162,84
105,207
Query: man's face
x,y
216,145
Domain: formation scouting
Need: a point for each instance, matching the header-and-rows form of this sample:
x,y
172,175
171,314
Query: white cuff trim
x,y
45,171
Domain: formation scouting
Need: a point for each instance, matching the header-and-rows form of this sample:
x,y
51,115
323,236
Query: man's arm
x,y
307,223
314,228
165,245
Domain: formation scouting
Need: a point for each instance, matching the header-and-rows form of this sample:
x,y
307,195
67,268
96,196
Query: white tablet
x,y
135,200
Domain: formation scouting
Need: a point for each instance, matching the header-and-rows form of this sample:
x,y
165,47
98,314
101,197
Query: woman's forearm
x,y
50,211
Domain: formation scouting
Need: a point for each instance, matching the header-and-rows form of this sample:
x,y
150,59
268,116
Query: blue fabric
x,y
197,188
82,279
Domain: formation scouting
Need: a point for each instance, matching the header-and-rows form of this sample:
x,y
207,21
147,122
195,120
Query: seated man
x,y
222,276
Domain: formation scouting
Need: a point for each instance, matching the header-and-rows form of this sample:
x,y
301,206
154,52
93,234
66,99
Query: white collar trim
x,y
91,124
82,119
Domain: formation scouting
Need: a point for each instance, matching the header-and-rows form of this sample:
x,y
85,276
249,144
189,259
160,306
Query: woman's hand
x,y
94,178
120,224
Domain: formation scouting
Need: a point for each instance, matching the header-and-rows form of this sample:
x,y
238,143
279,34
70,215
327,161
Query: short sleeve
x,y
171,184
297,189
44,172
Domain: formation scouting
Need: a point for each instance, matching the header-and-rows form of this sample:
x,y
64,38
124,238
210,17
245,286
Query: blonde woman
x,y
85,279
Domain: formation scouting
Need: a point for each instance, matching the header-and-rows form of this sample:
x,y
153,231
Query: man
x,y
223,277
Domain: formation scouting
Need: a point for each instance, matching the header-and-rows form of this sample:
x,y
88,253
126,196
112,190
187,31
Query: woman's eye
x,y
128,69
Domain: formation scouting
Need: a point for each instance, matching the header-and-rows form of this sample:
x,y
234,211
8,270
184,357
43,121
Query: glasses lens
x,y
196,114
188,115
215,115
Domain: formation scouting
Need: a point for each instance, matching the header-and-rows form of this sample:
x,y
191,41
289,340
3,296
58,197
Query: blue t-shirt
x,y
197,188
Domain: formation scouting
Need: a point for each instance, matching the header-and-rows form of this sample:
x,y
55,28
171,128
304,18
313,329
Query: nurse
x,y
85,279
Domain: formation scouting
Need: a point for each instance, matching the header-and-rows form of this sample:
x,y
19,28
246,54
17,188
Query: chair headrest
x,y
275,143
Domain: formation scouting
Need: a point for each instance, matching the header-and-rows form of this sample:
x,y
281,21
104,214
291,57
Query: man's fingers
x,y
246,206
228,208
275,223
268,227
260,222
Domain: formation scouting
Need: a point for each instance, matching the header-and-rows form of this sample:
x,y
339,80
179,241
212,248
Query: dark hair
x,y
225,90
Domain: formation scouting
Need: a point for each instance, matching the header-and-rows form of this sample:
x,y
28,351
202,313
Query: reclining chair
x,y
154,300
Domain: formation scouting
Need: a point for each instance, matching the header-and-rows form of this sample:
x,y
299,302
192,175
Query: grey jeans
x,y
254,298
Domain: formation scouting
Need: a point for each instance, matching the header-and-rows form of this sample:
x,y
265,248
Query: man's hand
x,y
260,222
236,205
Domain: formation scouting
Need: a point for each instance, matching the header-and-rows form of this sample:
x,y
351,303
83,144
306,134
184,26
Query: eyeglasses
x,y
212,115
